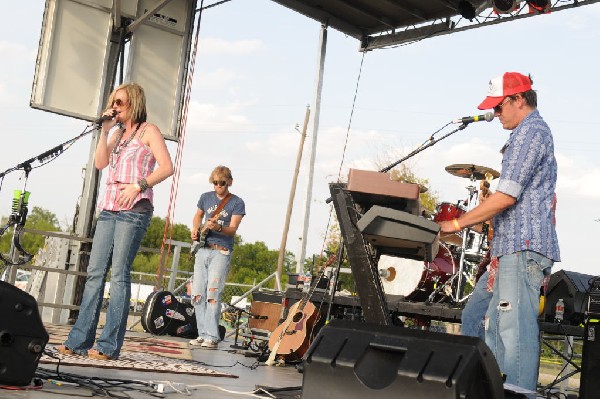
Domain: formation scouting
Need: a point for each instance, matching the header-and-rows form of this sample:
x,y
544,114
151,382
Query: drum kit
x,y
459,255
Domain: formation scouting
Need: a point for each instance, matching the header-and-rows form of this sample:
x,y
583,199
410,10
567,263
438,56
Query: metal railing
x,y
54,294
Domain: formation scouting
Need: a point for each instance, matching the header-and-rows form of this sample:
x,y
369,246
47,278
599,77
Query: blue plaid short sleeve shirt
x,y
529,173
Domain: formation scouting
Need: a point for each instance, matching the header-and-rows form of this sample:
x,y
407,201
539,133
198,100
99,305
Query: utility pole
x,y
288,215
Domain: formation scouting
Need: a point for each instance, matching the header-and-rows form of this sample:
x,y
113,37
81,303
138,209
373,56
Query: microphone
x,y
103,118
488,116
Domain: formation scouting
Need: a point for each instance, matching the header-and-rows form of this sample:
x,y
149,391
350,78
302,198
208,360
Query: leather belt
x,y
217,247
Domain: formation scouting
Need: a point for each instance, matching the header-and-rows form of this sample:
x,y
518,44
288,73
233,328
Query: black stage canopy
x,y
384,23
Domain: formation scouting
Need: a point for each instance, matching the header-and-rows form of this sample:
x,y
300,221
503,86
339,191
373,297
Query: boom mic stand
x,y
238,323
429,143
19,211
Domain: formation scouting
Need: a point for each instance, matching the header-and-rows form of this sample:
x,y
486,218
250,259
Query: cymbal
x,y
470,170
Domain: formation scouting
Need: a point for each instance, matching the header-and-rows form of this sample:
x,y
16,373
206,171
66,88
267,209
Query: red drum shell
x,y
447,211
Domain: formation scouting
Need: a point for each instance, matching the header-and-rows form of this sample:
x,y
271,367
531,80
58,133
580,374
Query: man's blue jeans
x,y
473,315
512,331
116,241
210,272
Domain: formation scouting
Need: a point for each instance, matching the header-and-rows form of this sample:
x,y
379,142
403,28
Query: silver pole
x,y
317,109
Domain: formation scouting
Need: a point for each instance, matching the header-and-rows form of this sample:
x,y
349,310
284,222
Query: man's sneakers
x,y
197,342
208,344
204,343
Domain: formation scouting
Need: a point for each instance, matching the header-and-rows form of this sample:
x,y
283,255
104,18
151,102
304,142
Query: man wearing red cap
x,y
525,244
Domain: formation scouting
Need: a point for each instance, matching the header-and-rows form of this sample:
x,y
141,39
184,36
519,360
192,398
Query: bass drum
x,y
416,280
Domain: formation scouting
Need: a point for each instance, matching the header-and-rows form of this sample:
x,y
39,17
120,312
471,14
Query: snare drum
x,y
413,279
446,212
476,246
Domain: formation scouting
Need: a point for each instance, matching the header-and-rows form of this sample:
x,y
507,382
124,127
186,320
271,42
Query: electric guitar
x,y
202,233
292,336
487,230
484,187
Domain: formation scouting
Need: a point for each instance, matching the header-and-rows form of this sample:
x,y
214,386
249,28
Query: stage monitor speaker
x,y
589,385
22,336
358,360
572,287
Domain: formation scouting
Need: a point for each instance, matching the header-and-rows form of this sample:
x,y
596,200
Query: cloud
x,y
211,118
215,46
219,78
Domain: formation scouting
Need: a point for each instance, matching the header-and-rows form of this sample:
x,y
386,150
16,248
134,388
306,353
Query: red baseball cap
x,y
506,85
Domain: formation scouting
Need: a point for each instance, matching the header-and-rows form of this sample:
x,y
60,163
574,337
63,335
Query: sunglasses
x,y
118,102
498,108
220,183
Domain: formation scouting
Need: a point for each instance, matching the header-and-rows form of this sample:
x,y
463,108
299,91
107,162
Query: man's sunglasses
x,y
220,183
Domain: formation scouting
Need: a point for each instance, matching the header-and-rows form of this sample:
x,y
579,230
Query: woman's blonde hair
x,y
136,99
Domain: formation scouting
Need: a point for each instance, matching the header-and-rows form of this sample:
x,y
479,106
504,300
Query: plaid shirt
x,y
528,174
132,164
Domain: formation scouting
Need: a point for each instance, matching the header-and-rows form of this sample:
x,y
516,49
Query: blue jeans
x,y
210,271
512,331
473,315
116,241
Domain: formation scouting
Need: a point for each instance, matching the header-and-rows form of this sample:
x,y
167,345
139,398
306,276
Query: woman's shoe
x,y
96,354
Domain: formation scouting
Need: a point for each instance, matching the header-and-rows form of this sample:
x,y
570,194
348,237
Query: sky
x,y
254,78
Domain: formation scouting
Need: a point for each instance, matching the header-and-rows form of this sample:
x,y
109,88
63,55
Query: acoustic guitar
x,y
292,337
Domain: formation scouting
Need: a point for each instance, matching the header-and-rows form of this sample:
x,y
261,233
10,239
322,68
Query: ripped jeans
x,y
210,271
512,331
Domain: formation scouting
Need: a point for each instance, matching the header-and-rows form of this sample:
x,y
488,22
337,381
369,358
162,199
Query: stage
x,y
196,373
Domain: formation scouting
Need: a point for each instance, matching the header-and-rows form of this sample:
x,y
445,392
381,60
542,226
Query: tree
x,y
147,262
427,198
253,262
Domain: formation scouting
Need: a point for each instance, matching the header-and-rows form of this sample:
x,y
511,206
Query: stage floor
x,y
233,372
197,373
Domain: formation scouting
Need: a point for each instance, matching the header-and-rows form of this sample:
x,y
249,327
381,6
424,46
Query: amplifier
x,y
573,288
594,299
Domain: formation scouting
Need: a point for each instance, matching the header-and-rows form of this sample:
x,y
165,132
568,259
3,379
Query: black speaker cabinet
x,y
359,360
589,385
572,287
22,336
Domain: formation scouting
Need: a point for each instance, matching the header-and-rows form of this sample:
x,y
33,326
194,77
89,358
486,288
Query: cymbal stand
x,y
471,203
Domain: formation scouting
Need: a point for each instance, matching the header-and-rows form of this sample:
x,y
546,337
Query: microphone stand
x,y
51,153
334,276
19,211
430,142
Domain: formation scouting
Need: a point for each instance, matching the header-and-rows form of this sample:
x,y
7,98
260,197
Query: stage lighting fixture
x,y
504,6
466,10
542,6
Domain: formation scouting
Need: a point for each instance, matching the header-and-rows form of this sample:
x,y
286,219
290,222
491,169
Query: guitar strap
x,y
222,204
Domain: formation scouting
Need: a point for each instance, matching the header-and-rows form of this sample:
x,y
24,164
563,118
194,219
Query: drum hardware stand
x,y
473,195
